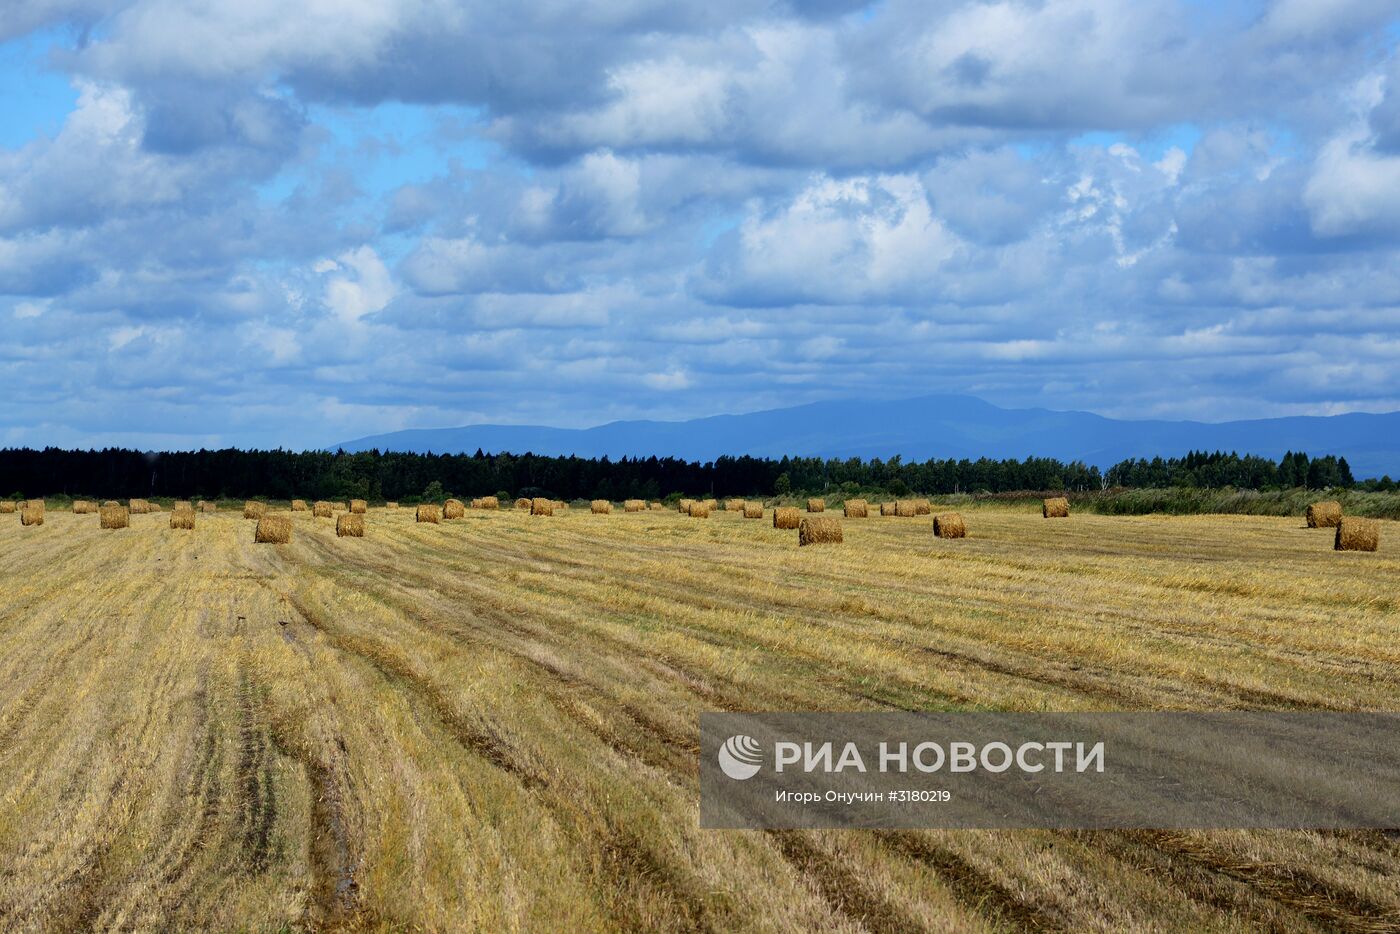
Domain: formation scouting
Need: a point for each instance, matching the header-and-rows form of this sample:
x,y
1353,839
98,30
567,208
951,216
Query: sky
x,y
256,223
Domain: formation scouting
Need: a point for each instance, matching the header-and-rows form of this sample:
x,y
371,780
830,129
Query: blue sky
x,y
256,223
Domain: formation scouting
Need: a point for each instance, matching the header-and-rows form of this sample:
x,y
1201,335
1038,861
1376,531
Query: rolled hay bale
x,y
490,502
1355,534
786,517
634,505
734,505
1055,507
685,505
31,516
539,506
819,530
182,504
205,506
322,509
138,507
816,505
700,510
857,509
887,509
476,503
522,503
949,525
753,510
8,505
560,505
252,509
114,517
38,504
922,507
904,508
299,505
110,502
452,509
391,505
273,530
427,512
182,519
350,525
359,507
153,507
600,507
82,507
657,506
1325,515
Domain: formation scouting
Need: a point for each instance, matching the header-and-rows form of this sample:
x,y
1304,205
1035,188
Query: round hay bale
x,y
1055,507
1355,534
427,512
205,506
922,507
657,506
322,509
153,507
560,505
453,509
1325,515
600,507
819,530
786,517
252,509
111,502
391,505
949,525
634,505
490,502
82,507
711,504
475,503
753,510
685,505
8,505
182,504
816,505
734,505
523,503
904,508
182,519
857,509
359,507
699,510
114,517
31,516
539,506
273,530
299,505
138,507
887,509
350,525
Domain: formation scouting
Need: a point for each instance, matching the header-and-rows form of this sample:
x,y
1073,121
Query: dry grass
x,y
114,517
273,530
453,509
600,507
350,525
540,506
786,517
427,512
857,509
322,509
1354,534
1055,507
1325,515
819,530
949,525
182,519
816,505
252,509
497,731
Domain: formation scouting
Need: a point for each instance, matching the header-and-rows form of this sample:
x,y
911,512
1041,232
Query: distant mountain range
x,y
944,426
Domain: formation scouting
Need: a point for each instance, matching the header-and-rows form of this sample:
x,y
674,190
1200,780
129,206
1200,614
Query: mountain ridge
x,y
936,426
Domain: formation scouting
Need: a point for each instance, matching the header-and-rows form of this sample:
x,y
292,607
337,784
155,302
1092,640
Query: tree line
x,y
376,475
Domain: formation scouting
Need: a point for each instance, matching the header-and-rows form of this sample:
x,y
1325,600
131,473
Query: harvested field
x,y
494,728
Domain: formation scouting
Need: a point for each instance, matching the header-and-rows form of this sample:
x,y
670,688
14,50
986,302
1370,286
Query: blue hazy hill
x,y
944,426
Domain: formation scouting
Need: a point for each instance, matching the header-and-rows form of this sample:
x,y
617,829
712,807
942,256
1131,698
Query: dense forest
x,y
386,475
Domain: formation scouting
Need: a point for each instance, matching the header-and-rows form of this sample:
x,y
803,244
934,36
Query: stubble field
x,y
490,724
